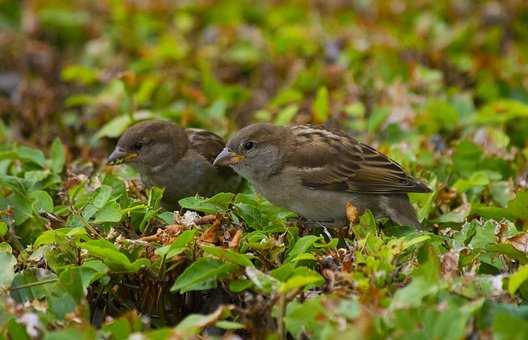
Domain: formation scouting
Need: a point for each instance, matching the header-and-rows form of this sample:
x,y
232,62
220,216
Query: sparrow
x,y
176,159
315,172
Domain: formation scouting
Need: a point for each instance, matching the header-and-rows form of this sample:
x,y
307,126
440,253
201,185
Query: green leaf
x,y
59,236
3,228
32,155
118,125
517,279
112,257
71,281
309,317
286,115
303,277
303,245
192,324
507,326
320,106
237,286
229,325
228,255
39,283
377,118
85,333
477,179
202,274
217,204
7,274
178,246
263,282
102,195
58,156
111,212
41,201
16,330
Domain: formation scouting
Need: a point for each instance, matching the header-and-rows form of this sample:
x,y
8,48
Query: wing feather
x,y
333,160
205,143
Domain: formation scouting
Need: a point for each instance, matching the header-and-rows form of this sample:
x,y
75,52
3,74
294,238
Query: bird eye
x,y
138,146
249,145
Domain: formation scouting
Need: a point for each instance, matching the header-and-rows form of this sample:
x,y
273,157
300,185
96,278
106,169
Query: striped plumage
x,y
316,172
334,160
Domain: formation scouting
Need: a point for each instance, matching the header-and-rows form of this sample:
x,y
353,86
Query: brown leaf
x,y
519,242
449,264
352,213
207,219
211,234
235,241
164,235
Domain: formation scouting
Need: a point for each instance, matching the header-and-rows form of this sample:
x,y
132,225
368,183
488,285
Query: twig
x,y
32,284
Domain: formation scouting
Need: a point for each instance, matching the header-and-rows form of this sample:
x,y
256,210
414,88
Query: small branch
x,y
33,284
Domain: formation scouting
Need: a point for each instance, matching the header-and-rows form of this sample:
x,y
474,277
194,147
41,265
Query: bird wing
x,y
205,143
333,160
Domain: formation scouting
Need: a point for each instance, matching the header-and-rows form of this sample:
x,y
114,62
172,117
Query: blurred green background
x,y
439,86
81,69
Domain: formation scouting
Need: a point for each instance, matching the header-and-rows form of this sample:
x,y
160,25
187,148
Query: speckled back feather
x,y
333,160
205,143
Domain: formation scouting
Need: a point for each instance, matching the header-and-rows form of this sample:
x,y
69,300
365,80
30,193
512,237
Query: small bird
x,y
315,172
176,159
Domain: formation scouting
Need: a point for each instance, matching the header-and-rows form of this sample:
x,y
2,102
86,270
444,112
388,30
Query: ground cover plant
x,y
87,252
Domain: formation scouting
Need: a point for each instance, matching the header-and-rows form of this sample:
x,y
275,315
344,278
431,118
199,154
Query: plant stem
x,y
280,320
32,284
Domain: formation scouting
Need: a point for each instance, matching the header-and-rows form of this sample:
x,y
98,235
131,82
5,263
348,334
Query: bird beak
x,y
119,155
227,157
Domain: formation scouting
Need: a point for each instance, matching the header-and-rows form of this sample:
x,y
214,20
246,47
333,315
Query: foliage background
x,y
440,86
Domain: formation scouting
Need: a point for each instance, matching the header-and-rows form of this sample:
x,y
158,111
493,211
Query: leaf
x,y
377,118
59,236
237,286
178,246
309,317
41,201
303,277
457,215
102,195
229,325
111,256
71,281
217,204
111,212
509,327
302,246
58,156
262,281
84,333
118,125
192,324
517,279
7,274
228,255
515,209
32,155
3,228
39,283
286,115
320,106
201,274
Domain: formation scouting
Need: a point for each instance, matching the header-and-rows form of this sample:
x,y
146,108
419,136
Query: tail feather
x,y
400,210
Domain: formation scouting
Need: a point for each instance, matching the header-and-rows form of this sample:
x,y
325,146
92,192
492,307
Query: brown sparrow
x,y
315,172
176,159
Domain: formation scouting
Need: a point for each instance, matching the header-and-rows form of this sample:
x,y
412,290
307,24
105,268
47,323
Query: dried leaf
x,y
352,213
